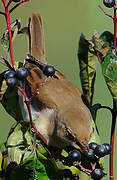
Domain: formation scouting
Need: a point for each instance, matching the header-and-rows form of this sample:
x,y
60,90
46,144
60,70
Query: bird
x,y
58,111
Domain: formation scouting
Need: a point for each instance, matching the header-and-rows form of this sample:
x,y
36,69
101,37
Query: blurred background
x,y
64,21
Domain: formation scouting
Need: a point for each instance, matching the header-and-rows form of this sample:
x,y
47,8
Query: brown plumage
x,y
58,110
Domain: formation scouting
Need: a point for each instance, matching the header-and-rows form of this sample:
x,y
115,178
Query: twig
x,y
19,3
105,12
2,13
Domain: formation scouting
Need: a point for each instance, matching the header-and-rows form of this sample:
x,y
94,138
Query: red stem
x,y
7,15
115,28
114,115
22,90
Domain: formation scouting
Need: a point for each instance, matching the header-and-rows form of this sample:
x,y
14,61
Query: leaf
x,y
101,47
109,70
18,141
20,149
108,38
9,98
10,102
3,85
87,63
32,169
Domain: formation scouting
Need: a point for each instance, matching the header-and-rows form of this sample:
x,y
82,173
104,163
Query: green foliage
x,y
87,63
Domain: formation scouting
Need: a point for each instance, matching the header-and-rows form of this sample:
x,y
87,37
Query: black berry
x,y
100,151
108,148
109,3
11,82
97,174
49,70
93,145
74,155
9,74
21,73
89,154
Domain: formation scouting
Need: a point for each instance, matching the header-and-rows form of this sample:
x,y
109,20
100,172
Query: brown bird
x,y
56,104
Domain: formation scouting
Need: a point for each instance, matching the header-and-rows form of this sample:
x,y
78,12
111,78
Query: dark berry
x,y
109,3
75,177
100,151
21,73
93,145
89,154
108,148
49,70
97,174
16,1
74,155
11,82
9,74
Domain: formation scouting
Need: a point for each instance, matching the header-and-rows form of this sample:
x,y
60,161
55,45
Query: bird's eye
x,y
69,135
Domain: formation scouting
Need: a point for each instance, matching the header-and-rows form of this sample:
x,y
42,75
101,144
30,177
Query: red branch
x,y
22,90
115,28
7,15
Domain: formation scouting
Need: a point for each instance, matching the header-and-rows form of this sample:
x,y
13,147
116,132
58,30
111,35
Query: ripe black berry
x,y
11,82
74,155
109,3
9,74
108,148
100,151
21,73
49,70
97,174
93,145
16,1
89,154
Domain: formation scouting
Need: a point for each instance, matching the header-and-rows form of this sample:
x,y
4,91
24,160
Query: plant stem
x,y
115,29
19,3
7,15
22,90
114,116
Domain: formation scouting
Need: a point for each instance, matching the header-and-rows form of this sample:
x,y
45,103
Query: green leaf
x,y
107,37
101,47
32,169
109,70
87,63
18,141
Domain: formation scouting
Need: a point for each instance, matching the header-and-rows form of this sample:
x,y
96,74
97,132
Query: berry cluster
x,y
12,76
109,3
88,160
